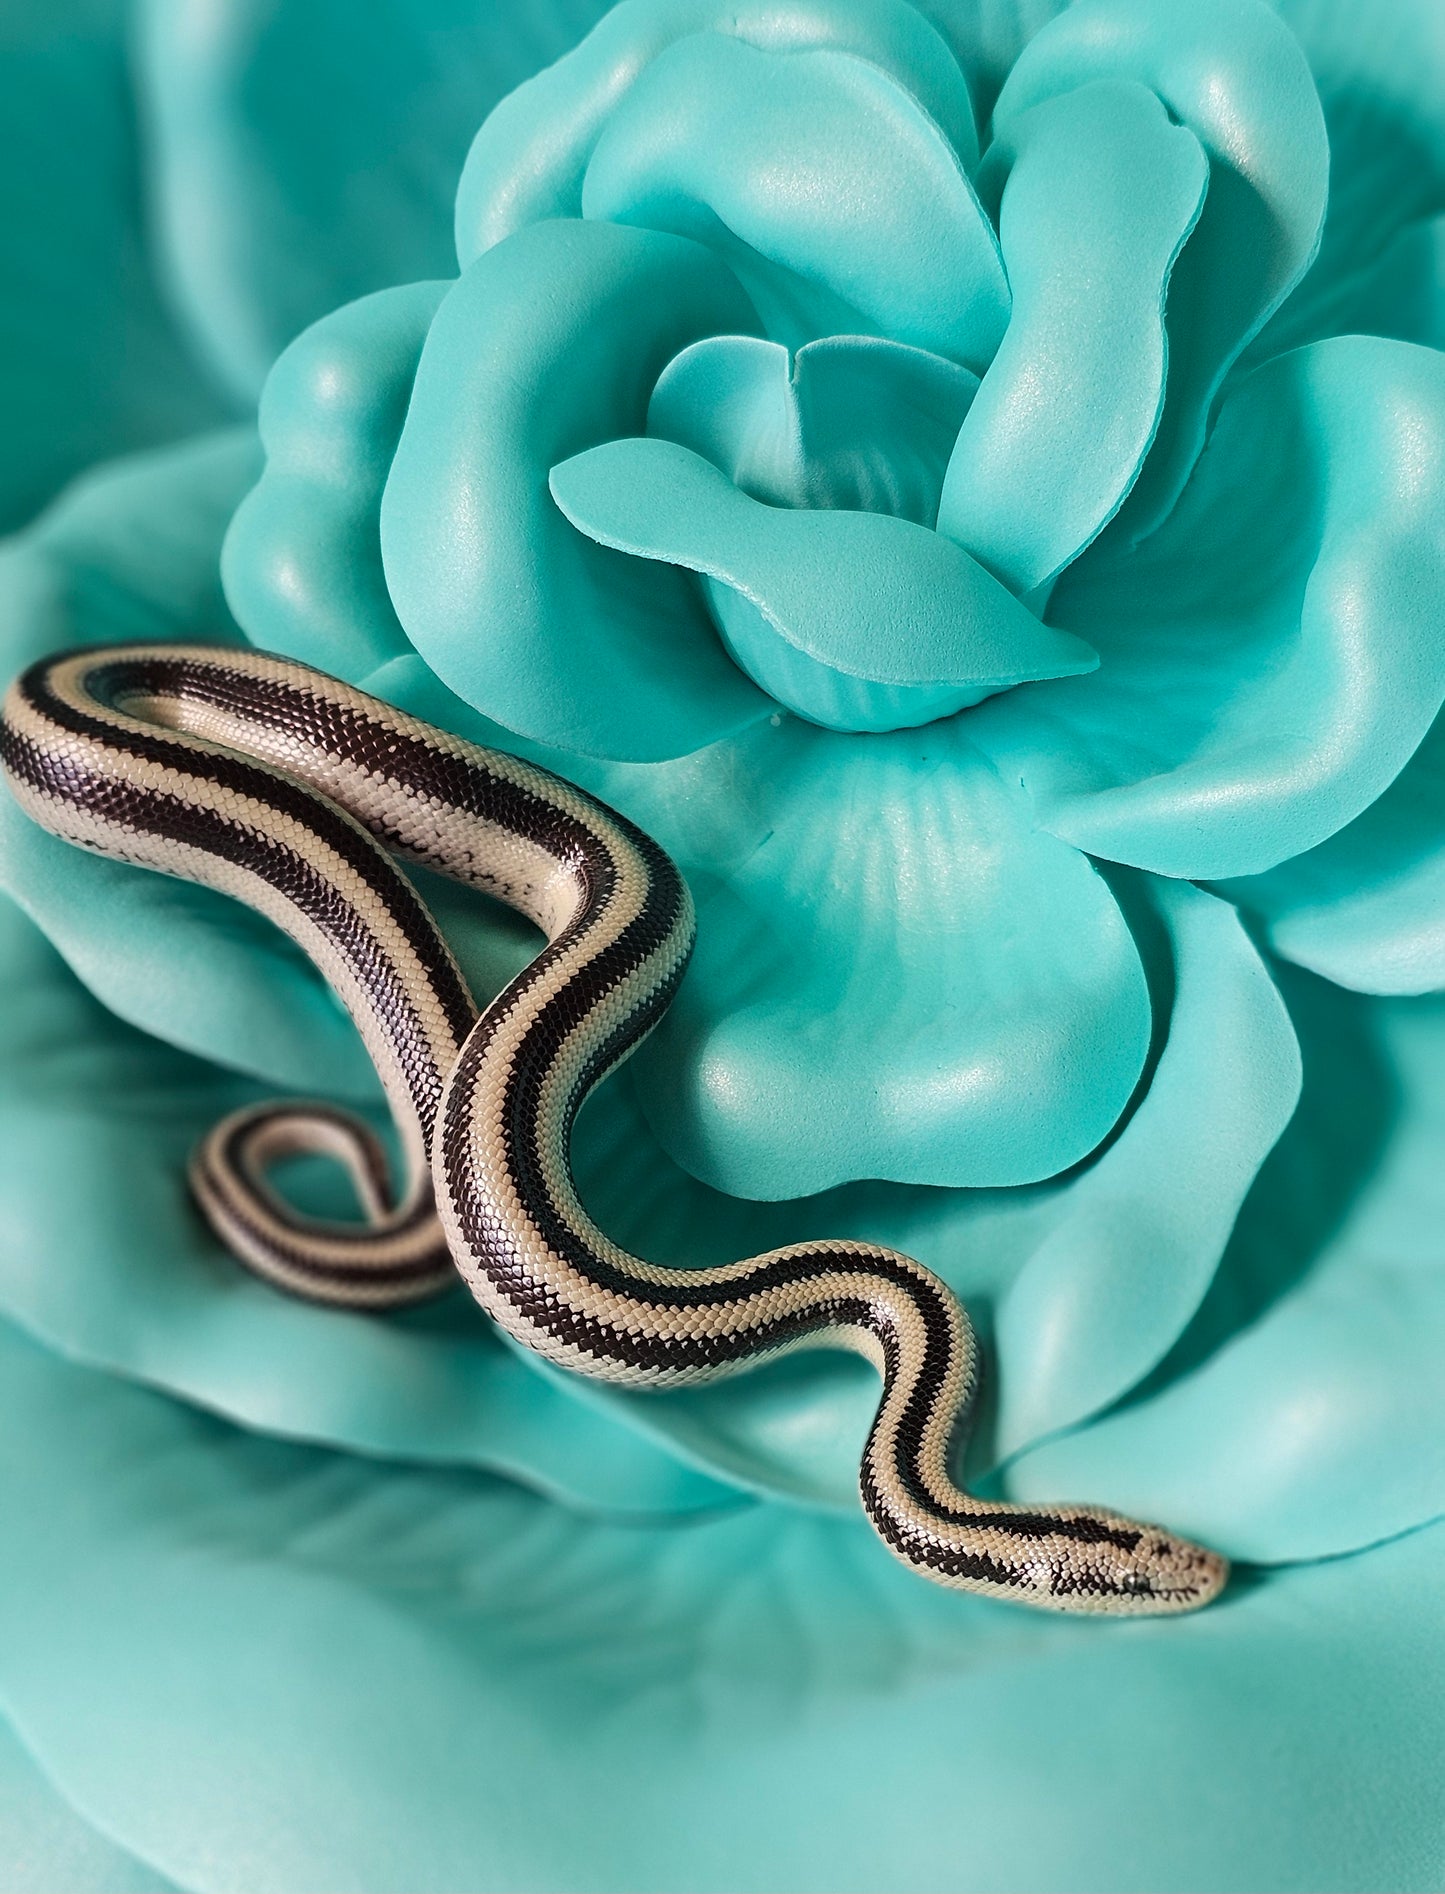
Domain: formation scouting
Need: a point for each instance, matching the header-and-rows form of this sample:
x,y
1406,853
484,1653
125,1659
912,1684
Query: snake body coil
x,y
291,791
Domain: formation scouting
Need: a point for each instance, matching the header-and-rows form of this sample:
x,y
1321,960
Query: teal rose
x,y
977,495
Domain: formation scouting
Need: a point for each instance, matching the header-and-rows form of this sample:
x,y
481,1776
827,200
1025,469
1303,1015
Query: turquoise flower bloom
x,y
971,480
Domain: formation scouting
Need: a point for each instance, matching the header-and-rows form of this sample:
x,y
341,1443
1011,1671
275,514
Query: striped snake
x,y
292,792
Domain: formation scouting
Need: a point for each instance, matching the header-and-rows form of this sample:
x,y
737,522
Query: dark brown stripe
x,y
146,812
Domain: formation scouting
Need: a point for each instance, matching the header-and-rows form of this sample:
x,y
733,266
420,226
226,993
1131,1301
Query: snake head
x,y
1124,1569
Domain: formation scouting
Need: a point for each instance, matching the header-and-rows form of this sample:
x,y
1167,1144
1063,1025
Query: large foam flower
x,y
1002,569
920,502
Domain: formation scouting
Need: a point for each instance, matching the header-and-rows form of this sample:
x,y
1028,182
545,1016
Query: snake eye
x,y
1136,1585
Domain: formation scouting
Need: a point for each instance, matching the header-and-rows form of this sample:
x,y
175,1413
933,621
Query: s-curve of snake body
x,y
294,793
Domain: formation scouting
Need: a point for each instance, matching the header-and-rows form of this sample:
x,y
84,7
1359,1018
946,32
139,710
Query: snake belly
x,y
293,792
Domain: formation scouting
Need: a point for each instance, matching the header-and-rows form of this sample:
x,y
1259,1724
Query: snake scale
x,y
295,793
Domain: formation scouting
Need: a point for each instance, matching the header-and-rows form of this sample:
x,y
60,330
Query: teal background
x,y
296,1599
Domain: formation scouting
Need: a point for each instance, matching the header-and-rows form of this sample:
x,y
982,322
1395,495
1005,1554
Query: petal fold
x,y
1381,93
850,421
1270,658
1400,292
543,349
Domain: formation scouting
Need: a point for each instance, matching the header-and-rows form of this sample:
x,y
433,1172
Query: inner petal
x,y
849,421
1102,192
855,620
832,194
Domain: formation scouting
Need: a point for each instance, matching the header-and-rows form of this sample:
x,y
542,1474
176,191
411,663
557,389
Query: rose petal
x,y
528,160
545,348
1102,191
302,559
1302,1415
308,153
1271,657
1236,77
1381,93
90,360
896,974
1078,1287
850,421
132,553
47,1845
106,1259
831,192
1144,1233
1367,908
814,603
431,1681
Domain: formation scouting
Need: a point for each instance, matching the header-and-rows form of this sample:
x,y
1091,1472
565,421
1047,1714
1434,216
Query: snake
x,y
303,797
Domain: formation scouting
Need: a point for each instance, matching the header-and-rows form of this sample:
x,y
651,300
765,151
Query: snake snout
x,y
1170,1574
1128,1570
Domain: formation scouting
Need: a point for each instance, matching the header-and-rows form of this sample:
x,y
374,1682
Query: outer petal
x,y
90,362
301,564
1145,1230
308,153
268,1668
302,558
895,975
1082,1285
1270,658
1230,72
105,1259
1381,93
47,1845
132,552
1367,908
528,160
139,1286
1302,1414
544,348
